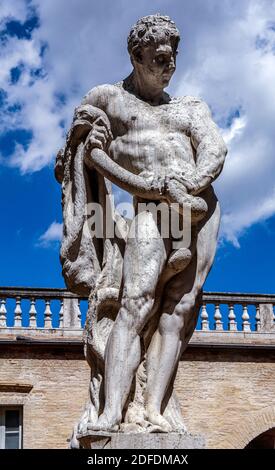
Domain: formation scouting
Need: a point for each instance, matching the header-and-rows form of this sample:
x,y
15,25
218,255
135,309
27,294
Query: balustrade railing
x,y
41,309
59,309
237,312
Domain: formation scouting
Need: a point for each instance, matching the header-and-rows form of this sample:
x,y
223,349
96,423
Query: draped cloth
x,y
83,255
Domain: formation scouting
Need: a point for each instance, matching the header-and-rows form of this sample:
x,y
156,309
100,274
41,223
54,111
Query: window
x,y
10,427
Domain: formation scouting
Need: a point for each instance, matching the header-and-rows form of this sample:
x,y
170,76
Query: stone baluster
x,y
18,313
61,314
204,318
245,319
218,325
78,314
3,313
232,324
266,317
258,318
33,313
48,315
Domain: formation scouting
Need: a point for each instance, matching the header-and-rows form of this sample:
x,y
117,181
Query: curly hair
x,y
150,29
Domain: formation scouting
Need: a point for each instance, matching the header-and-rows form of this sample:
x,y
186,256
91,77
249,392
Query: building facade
x,y
225,381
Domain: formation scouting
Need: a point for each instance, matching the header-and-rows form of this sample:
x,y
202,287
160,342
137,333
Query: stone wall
x,y
59,382
227,394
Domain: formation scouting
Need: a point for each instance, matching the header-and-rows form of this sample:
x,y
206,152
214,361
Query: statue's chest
x,y
138,115
167,117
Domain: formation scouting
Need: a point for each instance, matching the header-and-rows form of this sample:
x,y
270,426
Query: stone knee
x,y
188,309
176,321
186,304
135,311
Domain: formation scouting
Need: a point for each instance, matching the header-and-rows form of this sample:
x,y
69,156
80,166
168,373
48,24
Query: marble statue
x,y
143,293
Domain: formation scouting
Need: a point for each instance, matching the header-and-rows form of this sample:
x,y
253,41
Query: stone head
x,y
152,45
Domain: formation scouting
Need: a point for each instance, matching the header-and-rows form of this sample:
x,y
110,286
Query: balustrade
x,y
237,312
59,309
47,309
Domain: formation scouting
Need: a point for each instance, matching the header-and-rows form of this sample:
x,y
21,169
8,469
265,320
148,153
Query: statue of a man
x,y
160,149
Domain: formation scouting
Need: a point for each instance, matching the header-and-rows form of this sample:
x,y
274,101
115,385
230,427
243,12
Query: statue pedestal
x,y
104,440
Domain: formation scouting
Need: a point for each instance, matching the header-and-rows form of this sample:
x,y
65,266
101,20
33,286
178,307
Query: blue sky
x,y
52,53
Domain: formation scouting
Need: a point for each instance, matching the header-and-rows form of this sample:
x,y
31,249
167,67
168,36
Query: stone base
x,y
104,440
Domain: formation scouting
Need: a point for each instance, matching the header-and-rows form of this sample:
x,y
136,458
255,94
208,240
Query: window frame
x,y
3,409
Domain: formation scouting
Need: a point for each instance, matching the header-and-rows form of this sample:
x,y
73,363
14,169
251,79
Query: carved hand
x,y
157,183
88,119
100,135
187,178
174,190
177,192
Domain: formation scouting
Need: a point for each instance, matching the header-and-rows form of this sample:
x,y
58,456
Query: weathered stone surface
x,y
104,440
267,318
231,393
144,286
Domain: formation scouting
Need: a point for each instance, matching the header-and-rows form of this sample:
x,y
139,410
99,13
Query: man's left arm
x,y
209,146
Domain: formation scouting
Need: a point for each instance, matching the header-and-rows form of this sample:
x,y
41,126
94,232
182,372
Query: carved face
x,y
158,63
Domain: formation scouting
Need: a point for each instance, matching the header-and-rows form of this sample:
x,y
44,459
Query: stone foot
x,y
158,420
105,423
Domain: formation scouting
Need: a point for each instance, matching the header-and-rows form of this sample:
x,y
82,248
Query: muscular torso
x,y
147,139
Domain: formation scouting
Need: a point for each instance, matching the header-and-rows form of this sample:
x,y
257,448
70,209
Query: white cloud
x,y
234,70
236,129
235,223
226,57
12,10
52,234
14,53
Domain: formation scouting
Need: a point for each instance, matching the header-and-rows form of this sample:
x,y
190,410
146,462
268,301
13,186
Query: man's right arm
x,y
137,185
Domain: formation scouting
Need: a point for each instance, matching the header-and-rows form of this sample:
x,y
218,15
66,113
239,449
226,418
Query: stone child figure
x,y
159,149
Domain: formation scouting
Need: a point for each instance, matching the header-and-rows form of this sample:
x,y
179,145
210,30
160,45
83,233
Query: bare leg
x,y
179,317
144,259
164,353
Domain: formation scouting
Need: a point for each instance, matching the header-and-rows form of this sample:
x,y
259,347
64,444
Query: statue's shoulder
x,y
99,94
194,106
191,101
